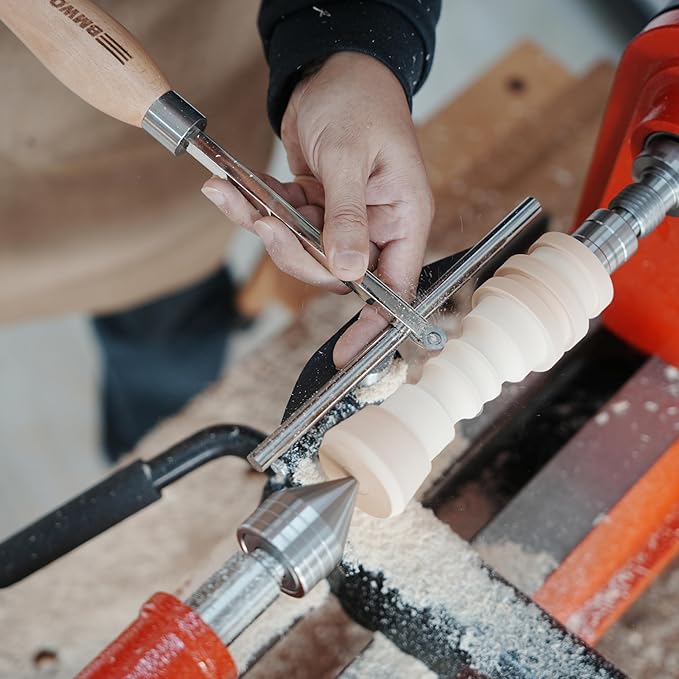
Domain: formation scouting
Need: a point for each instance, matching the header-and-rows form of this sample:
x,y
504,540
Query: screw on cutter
x,y
435,339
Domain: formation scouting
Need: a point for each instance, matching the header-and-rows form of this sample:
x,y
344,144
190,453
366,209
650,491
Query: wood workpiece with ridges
x,y
516,326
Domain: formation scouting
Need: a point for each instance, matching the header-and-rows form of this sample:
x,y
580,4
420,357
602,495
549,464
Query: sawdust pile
x,y
394,377
433,568
384,660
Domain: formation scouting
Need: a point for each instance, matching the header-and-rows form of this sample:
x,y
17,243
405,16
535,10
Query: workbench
x,y
485,150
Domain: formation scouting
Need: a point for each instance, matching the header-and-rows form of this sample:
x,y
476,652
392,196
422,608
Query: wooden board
x,y
544,155
512,92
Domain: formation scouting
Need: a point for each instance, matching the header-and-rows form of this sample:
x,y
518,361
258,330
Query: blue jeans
x,y
159,355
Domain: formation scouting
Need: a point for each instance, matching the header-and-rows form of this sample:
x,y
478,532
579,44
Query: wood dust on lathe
x,y
433,569
384,660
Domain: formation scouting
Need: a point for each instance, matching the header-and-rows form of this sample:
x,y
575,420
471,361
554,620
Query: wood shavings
x,y
384,660
651,406
620,407
672,373
386,386
524,569
308,471
321,12
434,569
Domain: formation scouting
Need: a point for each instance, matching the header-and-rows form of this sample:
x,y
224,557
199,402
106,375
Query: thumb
x,y
345,231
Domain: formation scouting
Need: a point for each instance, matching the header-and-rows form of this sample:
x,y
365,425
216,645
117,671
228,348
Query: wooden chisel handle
x,y
90,53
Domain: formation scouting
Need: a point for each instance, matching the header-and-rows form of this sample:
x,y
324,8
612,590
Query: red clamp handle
x,y
167,640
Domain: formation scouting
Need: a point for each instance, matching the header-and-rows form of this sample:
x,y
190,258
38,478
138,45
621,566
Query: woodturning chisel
x,y
101,62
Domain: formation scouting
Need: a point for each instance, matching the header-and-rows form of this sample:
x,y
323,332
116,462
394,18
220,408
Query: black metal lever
x,y
115,498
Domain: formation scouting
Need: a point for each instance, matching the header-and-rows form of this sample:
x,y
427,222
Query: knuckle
x,y
348,217
337,146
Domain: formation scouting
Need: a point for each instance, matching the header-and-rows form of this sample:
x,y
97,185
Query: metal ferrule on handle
x,y
172,121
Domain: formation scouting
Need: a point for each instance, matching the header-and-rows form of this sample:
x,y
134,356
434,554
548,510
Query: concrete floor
x,y
49,368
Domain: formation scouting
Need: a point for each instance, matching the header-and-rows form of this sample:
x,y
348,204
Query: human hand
x,y
358,170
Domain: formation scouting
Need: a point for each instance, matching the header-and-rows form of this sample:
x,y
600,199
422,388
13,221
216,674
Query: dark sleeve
x,y
296,33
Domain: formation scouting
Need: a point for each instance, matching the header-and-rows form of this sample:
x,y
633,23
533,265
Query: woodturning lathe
x,y
610,236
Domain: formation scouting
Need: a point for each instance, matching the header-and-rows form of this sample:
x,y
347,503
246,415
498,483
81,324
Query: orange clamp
x,y
167,640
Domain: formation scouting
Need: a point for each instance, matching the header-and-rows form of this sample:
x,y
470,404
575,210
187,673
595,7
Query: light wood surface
x,y
90,53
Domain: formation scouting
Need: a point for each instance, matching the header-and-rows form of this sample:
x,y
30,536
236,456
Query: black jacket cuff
x,y
293,41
